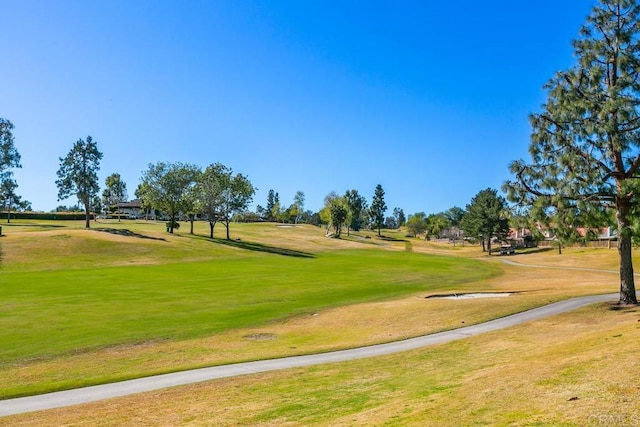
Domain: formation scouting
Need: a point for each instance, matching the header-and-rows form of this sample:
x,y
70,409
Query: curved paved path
x,y
106,391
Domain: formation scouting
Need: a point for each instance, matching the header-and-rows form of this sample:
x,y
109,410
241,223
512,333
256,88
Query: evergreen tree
x,y
9,199
486,217
398,215
339,213
356,206
378,208
78,175
271,201
585,144
9,156
298,206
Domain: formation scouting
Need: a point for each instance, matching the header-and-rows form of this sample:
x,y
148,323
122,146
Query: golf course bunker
x,y
472,295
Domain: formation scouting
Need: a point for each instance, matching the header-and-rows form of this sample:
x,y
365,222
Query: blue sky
x,y
428,98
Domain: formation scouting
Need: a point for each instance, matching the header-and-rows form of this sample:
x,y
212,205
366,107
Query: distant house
x,y
132,209
524,236
521,237
606,233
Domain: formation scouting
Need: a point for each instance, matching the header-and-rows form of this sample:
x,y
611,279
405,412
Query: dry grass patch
x,y
338,328
563,370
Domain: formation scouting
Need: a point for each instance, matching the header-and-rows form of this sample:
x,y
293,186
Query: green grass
x,y
51,312
490,379
66,292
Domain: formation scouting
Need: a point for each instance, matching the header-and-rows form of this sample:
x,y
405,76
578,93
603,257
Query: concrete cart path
x,y
106,391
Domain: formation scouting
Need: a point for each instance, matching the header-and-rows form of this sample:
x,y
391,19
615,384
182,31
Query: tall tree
x,y
356,206
390,223
298,204
325,212
417,224
585,144
398,214
339,213
145,204
235,198
378,208
436,223
9,199
271,201
115,192
9,156
486,217
209,190
166,187
220,195
454,216
78,174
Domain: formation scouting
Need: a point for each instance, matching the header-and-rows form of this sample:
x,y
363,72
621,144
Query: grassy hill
x,y
69,291
84,307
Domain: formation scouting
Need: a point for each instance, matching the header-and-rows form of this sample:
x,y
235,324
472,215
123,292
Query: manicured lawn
x,y
67,291
85,307
44,314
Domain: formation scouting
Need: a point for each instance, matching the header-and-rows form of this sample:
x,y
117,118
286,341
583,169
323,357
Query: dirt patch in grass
x,y
262,336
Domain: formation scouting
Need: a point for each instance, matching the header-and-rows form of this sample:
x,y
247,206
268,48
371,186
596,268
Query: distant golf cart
x,y
507,250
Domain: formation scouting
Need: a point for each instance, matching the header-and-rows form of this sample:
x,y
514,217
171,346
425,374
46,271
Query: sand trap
x,y
475,295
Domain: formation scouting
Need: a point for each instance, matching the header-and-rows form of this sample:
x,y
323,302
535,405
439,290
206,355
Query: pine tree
x,y
585,144
485,217
378,208
78,174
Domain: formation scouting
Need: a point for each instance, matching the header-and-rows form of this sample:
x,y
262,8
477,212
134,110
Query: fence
x,y
607,244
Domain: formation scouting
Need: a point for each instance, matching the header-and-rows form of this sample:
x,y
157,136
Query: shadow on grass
x,y
617,306
127,233
258,247
11,224
390,239
535,250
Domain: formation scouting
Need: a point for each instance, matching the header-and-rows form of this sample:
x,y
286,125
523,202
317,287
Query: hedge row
x,y
45,215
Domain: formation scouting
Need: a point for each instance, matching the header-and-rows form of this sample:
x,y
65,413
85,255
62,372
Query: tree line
x,y
584,167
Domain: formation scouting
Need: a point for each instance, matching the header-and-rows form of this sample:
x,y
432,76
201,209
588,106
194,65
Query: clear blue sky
x,y
428,98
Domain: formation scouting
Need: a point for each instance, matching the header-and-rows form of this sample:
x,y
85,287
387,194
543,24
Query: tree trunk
x,y
191,220
484,249
627,284
212,224
489,245
87,213
559,248
227,224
